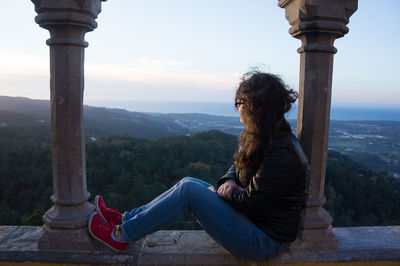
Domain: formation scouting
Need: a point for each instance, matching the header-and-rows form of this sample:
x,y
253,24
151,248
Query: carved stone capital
x,y
80,13
318,22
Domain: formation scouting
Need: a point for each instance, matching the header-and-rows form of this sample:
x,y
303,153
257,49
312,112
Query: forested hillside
x,y
129,171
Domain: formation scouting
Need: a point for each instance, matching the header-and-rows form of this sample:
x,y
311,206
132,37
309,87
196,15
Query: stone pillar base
x,y
64,239
316,230
317,239
66,228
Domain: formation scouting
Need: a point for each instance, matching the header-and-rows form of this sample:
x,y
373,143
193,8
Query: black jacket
x,y
275,195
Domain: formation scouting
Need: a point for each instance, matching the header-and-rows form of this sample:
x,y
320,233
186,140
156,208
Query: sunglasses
x,y
238,103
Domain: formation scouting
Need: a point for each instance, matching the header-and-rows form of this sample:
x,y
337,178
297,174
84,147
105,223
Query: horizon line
x,y
333,103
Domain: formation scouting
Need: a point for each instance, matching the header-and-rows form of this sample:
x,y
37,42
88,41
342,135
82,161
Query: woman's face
x,y
242,114
242,110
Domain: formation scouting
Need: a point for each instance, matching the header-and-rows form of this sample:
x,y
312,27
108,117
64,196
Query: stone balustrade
x,y
317,23
64,237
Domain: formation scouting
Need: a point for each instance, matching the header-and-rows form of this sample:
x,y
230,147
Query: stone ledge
x,y
377,243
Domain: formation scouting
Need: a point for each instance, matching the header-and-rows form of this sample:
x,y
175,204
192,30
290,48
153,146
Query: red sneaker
x,y
108,215
102,231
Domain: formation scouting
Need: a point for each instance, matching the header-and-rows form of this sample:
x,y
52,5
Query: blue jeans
x,y
228,227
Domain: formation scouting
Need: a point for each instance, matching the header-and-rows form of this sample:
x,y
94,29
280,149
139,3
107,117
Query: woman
x,y
254,212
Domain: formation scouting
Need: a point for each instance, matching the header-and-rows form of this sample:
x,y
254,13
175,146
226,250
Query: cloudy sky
x,y
196,51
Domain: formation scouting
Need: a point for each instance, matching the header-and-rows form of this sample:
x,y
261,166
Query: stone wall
x,y
377,245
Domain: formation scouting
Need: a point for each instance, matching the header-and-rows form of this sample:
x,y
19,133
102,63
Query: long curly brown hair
x,y
265,99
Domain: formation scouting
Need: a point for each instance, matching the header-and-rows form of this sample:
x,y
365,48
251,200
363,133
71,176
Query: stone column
x,y
317,23
66,221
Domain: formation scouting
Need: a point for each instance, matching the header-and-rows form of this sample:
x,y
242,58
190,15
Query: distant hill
x,y
20,111
25,106
372,143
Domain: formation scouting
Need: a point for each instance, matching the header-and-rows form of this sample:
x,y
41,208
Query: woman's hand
x,y
226,189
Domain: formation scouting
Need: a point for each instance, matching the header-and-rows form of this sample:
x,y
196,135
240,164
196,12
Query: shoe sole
x,y
96,200
95,237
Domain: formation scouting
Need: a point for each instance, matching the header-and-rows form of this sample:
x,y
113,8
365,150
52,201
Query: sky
x,y
196,51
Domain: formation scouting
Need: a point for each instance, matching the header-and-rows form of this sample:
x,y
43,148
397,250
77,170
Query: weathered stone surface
x,y
368,237
20,244
80,13
24,238
356,244
66,221
178,241
5,231
317,23
177,247
66,86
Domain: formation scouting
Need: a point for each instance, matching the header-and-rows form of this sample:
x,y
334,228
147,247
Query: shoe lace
x,y
117,231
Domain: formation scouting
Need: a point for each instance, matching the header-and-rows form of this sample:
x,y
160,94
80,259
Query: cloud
x,y
16,66
163,73
24,74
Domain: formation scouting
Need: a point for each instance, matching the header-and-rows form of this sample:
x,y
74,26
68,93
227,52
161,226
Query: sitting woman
x,y
255,210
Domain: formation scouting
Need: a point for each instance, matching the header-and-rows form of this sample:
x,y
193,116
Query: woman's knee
x,y
183,180
188,179
190,184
